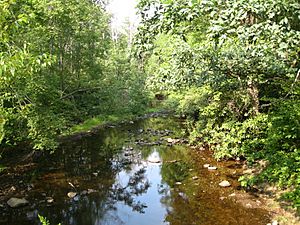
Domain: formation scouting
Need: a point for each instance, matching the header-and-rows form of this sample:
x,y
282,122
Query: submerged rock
x,y
17,202
224,183
50,200
72,194
89,191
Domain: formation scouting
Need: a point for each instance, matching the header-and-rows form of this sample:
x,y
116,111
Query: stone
x,y
84,192
13,188
17,202
211,168
169,140
50,200
248,171
232,195
206,165
89,191
95,174
178,183
195,178
224,183
76,198
72,194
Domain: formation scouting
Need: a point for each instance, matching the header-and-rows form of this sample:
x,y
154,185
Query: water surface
x,y
130,175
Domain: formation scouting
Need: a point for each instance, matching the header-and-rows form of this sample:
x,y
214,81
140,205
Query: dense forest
x,y
231,68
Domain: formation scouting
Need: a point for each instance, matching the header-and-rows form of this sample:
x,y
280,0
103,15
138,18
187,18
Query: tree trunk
x,y
253,92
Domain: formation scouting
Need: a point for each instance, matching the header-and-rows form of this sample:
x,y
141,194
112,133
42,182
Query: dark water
x,y
119,180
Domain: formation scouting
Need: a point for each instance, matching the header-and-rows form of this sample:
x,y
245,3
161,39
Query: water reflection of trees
x,y
79,160
100,206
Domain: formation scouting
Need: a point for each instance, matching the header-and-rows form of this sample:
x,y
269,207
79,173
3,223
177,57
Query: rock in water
x,y
211,168
17,202
72,194
50,200
224,183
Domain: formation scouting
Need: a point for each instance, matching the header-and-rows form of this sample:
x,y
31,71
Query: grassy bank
x,y
101,120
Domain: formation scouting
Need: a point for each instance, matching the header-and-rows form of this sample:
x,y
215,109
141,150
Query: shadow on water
x,y
131,174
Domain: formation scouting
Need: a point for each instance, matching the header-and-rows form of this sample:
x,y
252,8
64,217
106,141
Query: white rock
x,y
211,168
224,183
50,200
17,202
170,140
72,194
206,165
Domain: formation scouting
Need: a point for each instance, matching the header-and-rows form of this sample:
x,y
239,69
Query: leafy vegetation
x,y
232,68
60,66
44,220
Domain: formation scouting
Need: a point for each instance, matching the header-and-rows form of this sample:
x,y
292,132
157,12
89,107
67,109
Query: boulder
x,y
17,202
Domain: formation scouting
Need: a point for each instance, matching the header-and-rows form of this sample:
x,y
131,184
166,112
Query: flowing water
x,y
131,174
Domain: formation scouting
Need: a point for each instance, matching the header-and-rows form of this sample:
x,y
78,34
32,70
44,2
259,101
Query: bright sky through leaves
x,y
122,10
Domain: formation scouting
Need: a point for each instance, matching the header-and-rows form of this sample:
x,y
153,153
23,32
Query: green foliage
x,y
44,220
59,66
233,69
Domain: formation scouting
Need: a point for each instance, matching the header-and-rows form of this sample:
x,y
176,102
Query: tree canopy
x,y
233,68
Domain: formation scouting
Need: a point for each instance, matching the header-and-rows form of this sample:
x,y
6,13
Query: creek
x,y
138,173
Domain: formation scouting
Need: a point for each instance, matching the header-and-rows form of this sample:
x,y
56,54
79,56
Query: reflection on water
x,y
128,175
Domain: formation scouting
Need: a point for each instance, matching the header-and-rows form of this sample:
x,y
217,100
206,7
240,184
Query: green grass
x,y
101,120
95,122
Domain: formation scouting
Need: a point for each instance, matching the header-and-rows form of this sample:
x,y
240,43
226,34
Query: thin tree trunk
x,y
253,92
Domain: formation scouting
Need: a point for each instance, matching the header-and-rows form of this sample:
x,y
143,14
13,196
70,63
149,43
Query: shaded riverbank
x,y
133,173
